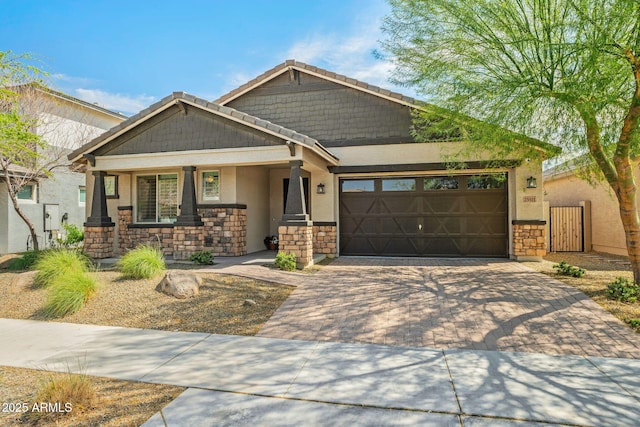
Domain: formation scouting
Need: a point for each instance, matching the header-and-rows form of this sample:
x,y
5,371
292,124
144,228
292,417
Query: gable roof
x,y
176,98
548,150
291,65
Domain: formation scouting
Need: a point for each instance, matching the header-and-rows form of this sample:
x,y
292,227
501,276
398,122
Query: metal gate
x,y
567,228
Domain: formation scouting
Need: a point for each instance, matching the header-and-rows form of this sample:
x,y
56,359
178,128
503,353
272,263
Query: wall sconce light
x,y
320,188
532,182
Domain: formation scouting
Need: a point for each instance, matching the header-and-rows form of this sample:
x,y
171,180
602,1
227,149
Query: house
x,y
323,161
597,226
65,123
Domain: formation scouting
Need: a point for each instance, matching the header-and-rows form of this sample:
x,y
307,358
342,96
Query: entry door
x,y
424,216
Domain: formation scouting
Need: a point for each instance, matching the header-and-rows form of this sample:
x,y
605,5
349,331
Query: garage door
x,y
424,216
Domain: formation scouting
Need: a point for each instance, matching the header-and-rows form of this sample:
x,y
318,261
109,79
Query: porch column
x,y
295,209
188,208
188,230
99,229
295,230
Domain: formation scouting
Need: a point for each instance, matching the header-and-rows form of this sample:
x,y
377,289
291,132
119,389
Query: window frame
x,y
201,176
116,194
157,219
80,202
34,194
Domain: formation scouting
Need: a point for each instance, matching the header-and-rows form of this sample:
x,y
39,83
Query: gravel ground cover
x,y
220,308
602,269
117,403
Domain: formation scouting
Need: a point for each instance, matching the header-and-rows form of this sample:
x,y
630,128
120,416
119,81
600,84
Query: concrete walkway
x,y
251,381
482,304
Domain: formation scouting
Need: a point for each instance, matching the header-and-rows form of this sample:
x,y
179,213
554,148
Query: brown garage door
x,y
424,216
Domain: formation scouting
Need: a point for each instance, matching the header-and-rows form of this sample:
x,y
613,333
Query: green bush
x,y
26,261
634,323
73,238
67,294
202,257
623,290
565,269
59,263
285,261
143,262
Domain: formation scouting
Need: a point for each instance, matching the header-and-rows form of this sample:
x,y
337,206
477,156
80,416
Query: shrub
x,y
73,393
143,262
565,269
59,263
26,261
67,294
634,323
74,236
623,290
285,261
202,257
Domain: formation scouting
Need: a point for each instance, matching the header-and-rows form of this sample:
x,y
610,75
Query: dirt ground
x,y
220,308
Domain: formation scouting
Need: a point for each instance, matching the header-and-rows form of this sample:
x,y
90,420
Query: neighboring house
x,y
65,123
598,225
323,161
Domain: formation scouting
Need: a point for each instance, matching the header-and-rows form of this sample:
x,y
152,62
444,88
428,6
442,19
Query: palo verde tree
x,y
564,71
20,147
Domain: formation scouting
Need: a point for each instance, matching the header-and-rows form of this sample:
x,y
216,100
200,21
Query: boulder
x,y
180,284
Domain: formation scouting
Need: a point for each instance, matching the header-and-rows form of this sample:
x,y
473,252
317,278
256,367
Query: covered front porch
x,y
189,176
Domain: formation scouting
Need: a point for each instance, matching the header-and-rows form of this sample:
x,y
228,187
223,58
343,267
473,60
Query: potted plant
x,y
271,242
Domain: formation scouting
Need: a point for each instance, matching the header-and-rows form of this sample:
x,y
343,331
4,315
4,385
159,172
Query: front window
x,y
210,186
157,198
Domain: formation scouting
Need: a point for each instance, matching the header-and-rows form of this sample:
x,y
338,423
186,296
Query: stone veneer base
x,y
98,241
298,240
223,233
529,241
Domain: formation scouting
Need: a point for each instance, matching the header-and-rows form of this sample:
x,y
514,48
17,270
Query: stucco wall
x,y
61,190
253,191
607,234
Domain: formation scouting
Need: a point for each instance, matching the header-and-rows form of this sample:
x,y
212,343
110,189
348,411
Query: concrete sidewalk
x,y
256,381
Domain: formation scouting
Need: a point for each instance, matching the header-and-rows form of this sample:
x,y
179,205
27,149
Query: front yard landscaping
x,y
219,308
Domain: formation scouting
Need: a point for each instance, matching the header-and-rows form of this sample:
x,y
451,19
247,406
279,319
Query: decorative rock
x,y
180,284
249,303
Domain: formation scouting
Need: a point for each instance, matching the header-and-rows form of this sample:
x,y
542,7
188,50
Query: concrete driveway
x,y
481,304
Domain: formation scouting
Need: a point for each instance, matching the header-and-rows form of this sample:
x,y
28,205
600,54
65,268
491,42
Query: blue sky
x,y
125,55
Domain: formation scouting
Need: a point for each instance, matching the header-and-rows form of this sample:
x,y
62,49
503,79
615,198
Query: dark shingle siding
x,y
172,130
325,110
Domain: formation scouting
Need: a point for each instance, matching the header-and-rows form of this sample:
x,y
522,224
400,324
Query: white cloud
x,y
115,101
350,53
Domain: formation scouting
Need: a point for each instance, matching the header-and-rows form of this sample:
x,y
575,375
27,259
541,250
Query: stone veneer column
x,y
295,231
529,239
298,240
99,229
188,230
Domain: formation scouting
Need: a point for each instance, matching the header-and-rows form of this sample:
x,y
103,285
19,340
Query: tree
x,y
566,71
20,146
